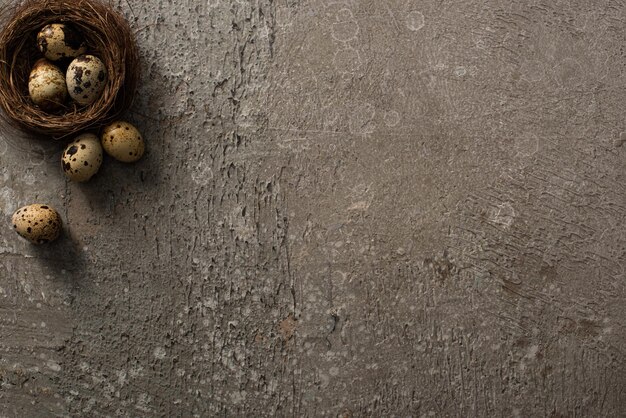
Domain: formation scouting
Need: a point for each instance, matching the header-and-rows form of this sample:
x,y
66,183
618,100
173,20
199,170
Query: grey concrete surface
x,y
347,208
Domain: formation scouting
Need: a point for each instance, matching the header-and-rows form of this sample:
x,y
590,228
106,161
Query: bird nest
x,y
107,35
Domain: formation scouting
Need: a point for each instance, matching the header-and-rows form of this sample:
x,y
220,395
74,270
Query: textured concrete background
x,y
354,208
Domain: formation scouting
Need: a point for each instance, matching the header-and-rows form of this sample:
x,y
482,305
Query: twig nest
x,y
37,223
62,30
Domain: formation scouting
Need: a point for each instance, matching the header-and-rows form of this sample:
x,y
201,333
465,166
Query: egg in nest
x,y
60,40
86,79
46,85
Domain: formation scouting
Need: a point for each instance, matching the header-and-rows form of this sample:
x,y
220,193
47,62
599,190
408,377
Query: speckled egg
x,y
60,40
123,141
46,85
37,223
86,78
82,158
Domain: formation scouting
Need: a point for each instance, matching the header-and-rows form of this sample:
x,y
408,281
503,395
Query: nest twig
x,y
108,36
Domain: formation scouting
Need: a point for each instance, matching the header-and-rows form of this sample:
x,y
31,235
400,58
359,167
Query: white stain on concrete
x,y
53,365
526,145
362,119
347,60
159,353
346,28
504,215
202,174
415,21
8,199
391,118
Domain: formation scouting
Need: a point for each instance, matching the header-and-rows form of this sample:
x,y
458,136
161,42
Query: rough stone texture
x,y
354,208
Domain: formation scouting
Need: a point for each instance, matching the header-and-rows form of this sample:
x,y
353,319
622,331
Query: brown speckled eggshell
x,y
86,79
59,40
82,158
123,141
46,85
37,223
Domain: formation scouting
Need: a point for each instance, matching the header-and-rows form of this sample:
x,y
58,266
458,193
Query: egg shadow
x,y
116,181
63,258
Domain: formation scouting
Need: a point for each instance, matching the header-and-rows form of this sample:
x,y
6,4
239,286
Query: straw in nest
x,y
107,35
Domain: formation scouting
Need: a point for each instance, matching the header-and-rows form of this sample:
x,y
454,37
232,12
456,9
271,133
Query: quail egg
x,y
46,85
60,40
82,158
86,78
123,141
37,223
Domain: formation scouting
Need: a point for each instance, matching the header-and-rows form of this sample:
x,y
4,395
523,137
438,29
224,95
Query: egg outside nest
x,y
82,158
37,223
122,141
